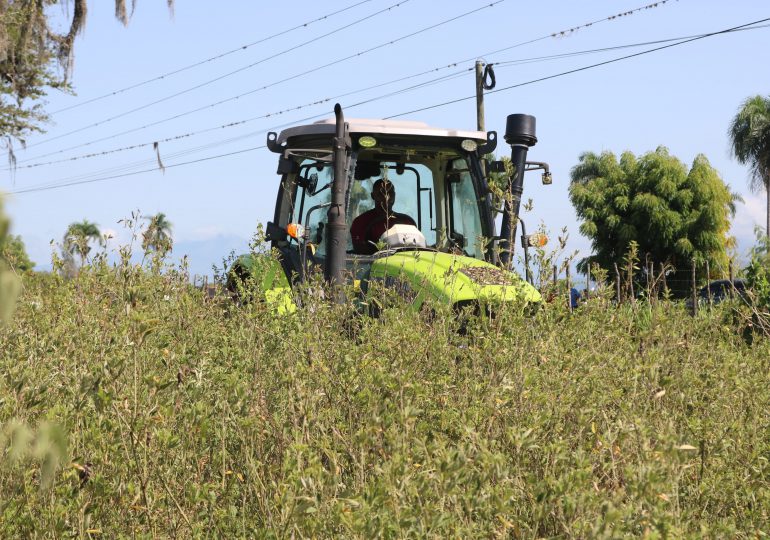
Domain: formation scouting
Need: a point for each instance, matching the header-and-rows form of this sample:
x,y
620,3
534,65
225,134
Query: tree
x,y
34,58
78,238
157,236
750,144
675,216
14,253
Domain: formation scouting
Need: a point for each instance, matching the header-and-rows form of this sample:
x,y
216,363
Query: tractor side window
x,y
311,201
465,223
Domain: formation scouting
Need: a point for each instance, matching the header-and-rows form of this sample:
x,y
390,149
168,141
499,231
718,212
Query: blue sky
x,y
682,97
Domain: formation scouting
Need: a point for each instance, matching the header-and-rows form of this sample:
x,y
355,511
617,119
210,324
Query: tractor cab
x,y
437,188
398,202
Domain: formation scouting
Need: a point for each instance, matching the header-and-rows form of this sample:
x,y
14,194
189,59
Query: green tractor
x,y
394,202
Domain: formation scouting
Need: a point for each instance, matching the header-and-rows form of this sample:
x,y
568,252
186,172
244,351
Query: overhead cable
x,y
283,80
209,60
102,179
216,79
571,71
503,64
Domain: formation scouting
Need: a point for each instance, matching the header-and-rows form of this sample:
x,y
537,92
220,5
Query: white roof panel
x,y
389,127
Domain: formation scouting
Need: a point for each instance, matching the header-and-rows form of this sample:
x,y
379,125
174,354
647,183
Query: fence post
x,y
708,283
732,280
617,283
630,277
652,289
588,281
694,292
663,276
648,281
555,275
569,291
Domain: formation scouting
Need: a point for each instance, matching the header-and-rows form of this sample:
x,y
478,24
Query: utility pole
x,y
480,96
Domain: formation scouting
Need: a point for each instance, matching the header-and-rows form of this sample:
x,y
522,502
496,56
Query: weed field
x,y
133,406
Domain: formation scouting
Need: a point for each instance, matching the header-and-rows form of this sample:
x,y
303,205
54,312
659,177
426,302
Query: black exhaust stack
x,y
520,134
336,228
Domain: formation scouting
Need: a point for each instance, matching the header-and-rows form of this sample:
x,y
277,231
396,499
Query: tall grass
x,y
132,405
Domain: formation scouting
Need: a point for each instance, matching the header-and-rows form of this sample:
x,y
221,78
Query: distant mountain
x,y
202,255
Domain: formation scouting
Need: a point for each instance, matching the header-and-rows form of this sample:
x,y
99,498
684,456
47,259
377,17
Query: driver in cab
x,y
367,228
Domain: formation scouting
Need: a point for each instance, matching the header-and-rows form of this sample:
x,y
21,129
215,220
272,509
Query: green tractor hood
x,y
416,275
452,279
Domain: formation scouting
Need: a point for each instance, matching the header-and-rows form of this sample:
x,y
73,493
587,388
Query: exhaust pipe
x,y
520,134
336,228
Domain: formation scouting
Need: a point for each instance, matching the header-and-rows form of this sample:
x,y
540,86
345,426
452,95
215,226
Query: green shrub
x,y
133,405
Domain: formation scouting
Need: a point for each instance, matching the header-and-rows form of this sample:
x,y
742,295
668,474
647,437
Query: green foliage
x,y
750,143
758,272
78,239
35,58
27,67
136,406
15,253
9,283
156,236
674,215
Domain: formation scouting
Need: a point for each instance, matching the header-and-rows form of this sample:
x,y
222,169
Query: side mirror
x,y
287,166
547,179
274,233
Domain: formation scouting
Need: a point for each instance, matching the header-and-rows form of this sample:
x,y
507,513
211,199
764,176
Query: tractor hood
x,y
421,275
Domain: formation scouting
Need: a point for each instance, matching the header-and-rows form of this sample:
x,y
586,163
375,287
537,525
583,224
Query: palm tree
x,y
78,237
157,235
750,144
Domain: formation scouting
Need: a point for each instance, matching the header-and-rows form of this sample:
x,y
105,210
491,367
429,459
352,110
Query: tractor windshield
x,y
437,190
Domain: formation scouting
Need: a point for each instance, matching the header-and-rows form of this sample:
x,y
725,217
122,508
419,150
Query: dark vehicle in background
x,y
719,291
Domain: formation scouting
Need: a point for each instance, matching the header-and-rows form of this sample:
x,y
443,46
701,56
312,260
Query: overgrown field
x,y
133,407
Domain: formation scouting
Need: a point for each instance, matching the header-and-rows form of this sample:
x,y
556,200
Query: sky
x,y
682,97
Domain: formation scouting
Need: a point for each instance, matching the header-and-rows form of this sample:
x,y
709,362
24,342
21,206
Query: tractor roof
x,y
374,126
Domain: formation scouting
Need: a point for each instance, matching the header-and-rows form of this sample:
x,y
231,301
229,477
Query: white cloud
x,y
109,234
749,215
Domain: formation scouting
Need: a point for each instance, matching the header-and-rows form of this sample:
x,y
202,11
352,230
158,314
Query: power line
x,y
584,68
453,64
211,59
158,162
241,122
173,165
318,102
572,30
689,40
390,94
219,78
67,181
508,63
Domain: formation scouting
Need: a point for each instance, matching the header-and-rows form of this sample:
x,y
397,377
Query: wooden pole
x,y
663,278
708,283
653,287
555,275
732,280
569,290
694,292
617,283
647,271
480,96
